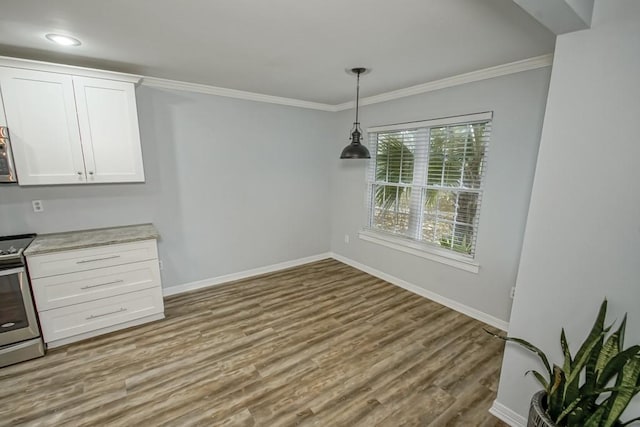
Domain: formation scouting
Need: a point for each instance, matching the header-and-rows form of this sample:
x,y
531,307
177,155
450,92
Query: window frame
x,y
407,244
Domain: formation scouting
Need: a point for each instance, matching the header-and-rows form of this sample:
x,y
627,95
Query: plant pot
x,y
538,416
537,412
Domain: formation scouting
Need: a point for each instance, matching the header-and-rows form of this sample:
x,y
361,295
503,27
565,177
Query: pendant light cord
x,y
357,96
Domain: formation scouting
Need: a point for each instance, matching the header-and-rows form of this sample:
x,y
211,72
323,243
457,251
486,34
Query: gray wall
x,y
234,185
583,239
231,185
518,102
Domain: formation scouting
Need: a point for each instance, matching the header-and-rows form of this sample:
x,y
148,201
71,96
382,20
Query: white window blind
x,y
426,178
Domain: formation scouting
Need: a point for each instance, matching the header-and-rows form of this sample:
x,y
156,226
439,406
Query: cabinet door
x,y
43,126
109,130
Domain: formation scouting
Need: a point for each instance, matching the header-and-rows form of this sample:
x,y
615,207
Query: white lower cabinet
x,y
64,262
87,292
75,288
90,316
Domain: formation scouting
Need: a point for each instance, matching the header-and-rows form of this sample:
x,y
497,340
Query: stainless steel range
x,y
20,337
7,170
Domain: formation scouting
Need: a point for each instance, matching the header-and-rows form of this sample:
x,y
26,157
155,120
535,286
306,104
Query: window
x,y
425,182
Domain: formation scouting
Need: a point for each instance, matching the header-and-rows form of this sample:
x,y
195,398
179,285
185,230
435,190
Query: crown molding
x,y
234,93
473,76
29,64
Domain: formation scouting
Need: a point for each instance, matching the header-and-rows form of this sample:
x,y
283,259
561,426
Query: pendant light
x,y
356,150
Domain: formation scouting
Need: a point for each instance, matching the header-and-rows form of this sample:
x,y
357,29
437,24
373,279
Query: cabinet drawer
x,y
76,319
74,288
89,259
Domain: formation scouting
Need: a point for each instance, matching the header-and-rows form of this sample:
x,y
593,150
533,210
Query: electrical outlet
x,y
37,205
346,238
512,294
161,264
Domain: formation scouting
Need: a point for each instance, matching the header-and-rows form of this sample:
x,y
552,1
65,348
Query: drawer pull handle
x,y
102,284
97,259
106,314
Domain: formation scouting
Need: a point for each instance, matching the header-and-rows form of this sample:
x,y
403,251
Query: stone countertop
x,y
55,242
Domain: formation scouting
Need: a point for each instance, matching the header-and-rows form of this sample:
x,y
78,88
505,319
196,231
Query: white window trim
x,y
445,121
410,246
419,249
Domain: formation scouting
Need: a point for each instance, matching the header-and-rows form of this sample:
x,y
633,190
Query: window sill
x,y
420,250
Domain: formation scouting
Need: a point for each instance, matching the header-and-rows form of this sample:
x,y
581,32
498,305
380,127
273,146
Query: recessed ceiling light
x,y
63,40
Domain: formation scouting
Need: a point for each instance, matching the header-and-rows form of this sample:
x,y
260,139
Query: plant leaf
x,y
621,331
568,410
566,367
586,356
555,397
541,380
627,379
590,348
594,335
576,418
626,423
571,391
532,348
612,347
616,364
590,379
595,419
614,389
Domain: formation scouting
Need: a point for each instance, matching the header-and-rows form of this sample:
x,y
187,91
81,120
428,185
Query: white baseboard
x,y
215,281
464,309
505,414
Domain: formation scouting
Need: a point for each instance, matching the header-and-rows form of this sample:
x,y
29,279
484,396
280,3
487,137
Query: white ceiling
x,y
291,48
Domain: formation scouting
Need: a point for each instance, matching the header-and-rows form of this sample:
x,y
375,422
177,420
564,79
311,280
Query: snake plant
x,y
593,387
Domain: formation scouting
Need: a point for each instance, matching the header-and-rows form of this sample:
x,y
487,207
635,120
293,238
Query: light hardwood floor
x,y
318,345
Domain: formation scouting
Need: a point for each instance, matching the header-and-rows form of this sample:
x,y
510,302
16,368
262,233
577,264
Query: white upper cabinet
x,y
109,130
72,129
41,114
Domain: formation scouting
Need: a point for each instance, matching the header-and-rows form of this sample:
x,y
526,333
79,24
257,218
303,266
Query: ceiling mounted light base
x,y
355,150
358,70
63,40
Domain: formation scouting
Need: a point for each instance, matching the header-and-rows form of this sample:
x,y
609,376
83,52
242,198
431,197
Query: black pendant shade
x,y
356,150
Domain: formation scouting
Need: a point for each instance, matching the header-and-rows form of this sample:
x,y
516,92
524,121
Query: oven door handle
x,y
12,271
